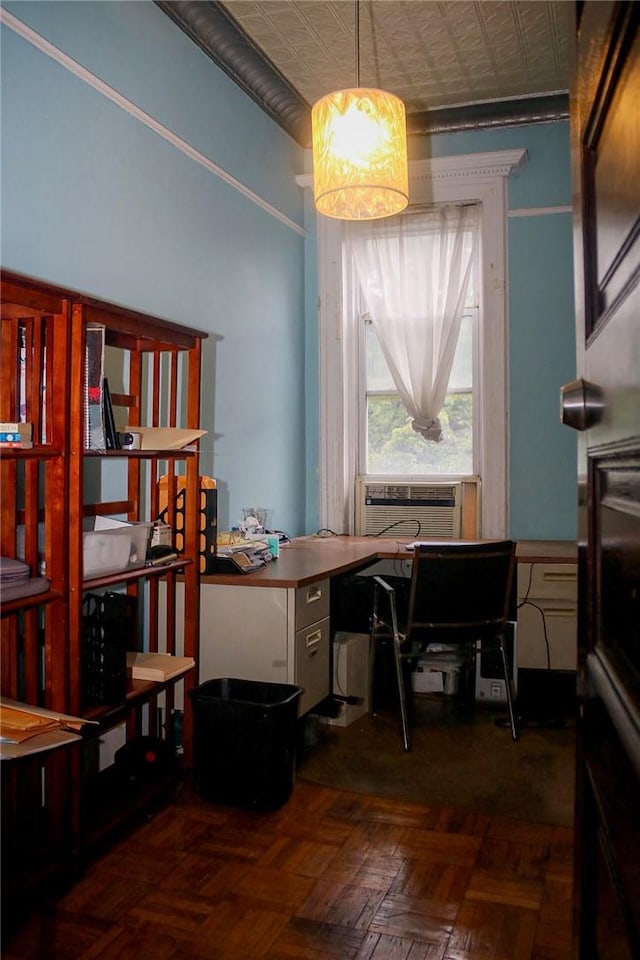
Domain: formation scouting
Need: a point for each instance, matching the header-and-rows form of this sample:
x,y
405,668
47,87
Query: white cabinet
x,y
270,634
547,604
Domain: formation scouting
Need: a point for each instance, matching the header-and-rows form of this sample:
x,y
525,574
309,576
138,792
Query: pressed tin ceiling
x,y
455,63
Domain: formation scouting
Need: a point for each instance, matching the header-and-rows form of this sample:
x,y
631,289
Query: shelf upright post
x,y
76,501
192,534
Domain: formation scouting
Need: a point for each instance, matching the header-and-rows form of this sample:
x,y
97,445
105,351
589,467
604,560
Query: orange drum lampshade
x,y
360,154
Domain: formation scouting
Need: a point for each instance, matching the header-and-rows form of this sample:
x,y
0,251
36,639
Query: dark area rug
x,y
460,757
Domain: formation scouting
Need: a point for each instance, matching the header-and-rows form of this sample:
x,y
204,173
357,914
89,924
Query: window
x,y
387,442
471,179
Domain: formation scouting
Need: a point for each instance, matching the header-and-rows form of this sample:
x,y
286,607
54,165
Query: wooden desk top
x,y
309,559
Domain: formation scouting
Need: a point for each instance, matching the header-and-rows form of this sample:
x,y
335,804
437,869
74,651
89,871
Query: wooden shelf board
x,y
137,690
43,452
139,573
25,603
182,454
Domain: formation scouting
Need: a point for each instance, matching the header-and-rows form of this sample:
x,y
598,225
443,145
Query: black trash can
x,y
245,737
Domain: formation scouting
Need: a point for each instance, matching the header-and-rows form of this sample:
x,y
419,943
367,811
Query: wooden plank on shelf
x,y
157,666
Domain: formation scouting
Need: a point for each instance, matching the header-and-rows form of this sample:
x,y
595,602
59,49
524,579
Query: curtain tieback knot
x,y
429,427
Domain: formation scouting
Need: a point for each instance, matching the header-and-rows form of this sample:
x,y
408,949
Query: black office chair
x,y
459,597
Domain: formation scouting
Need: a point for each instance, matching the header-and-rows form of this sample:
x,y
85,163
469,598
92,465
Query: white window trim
x,y
478,177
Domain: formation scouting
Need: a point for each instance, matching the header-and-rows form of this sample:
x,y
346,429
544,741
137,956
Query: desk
x,y
307,559
274,625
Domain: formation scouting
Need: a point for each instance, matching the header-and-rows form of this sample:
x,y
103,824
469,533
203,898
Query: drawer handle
x,y
313,640
559,576
314,594
559,612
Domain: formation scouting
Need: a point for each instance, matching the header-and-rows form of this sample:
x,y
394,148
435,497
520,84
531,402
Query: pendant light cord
x,y
373,41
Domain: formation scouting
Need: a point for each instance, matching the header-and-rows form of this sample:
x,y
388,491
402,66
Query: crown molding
x,y
467,167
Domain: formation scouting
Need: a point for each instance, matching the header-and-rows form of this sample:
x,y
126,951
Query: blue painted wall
x,y
542,358
95,200
543,501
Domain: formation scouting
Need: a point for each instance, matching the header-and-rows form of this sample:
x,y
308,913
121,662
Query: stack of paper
x,y
16,580
13,572
18,725
25,729
249,555
165,438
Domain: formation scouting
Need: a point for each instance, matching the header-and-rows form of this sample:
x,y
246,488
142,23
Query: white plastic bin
x,y
113,546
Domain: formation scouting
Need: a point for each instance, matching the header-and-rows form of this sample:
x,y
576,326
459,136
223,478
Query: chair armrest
x,y
385,586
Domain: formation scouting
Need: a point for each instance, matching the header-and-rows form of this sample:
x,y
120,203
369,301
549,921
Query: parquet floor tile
x,y
440,847
238,928
506,858
329,876
487,888
443,883
496,931
413,918
305,939
398,948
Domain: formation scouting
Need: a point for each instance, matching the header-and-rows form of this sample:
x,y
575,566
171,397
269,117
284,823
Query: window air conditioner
x,y
417,509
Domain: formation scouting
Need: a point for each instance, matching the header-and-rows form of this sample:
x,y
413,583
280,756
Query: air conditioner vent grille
x,y
412,493
408,510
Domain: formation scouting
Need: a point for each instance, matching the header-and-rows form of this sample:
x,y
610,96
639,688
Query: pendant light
x,y
359,151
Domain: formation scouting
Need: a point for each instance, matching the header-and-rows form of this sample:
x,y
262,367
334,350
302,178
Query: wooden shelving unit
x,y
38,811
50,493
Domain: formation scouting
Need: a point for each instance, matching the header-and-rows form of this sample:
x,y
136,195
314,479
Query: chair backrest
x,y
460,591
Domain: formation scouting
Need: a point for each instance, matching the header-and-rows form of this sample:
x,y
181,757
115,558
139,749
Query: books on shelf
x,y
157,666
17,426
16,434
94,438
111,436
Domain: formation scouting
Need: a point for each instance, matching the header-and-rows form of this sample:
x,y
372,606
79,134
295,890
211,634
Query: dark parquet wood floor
x,y
330,876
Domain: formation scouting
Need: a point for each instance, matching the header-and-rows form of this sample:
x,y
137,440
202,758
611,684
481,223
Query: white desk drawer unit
x,y
312,654
313,663
270,634
547,616
312,603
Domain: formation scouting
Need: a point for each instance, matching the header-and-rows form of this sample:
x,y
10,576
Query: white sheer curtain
x,y
413,271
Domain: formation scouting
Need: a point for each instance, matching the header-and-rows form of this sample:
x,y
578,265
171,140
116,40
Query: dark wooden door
x,y
605,406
